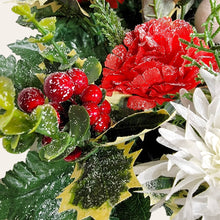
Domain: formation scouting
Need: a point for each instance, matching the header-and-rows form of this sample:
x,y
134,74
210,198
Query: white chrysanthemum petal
x,y
196,121
185,101
212,82
185,165
201,103
196,161
214,110
152,173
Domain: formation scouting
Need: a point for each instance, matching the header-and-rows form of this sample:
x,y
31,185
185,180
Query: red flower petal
x,y
137,103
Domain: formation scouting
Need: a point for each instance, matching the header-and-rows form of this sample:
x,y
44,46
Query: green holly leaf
x,y
27,51
7,66
79,122
101,182
93,68
135,125
135,207
50,52
29,191
22,73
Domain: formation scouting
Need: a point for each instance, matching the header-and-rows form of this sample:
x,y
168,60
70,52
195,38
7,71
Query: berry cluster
x,y
64,89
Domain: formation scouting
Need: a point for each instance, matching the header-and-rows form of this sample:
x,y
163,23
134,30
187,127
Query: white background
x,y
10,32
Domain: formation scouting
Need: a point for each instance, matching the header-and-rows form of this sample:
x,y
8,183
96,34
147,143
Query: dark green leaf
x,y
79,122
135,207
82,36
72,7
106,174
30,190
28,52
136,124
7,66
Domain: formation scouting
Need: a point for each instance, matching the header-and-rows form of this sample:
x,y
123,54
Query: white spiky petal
x,y
197,157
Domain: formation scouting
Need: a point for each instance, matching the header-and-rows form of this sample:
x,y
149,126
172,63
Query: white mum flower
x,y
197,157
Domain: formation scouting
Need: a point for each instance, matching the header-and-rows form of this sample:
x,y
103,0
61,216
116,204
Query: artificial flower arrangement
x,y
118,105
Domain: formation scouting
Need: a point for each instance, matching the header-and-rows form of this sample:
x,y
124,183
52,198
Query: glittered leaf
x,y
7,96
101,182
135,207
56,147
48,23
79,122
18,143
29,190
45,119
7,93
93,68
19,123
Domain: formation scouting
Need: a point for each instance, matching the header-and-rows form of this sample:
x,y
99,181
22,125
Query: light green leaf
x,y
7,93
18,143
93,68
48,23
45,119
19,123
22,9
79,122
46,38
57,147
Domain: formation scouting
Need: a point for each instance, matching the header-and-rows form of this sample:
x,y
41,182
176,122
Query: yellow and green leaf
x,y
101,182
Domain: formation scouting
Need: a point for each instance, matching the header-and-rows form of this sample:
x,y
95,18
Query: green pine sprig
x,y
208,36
109,22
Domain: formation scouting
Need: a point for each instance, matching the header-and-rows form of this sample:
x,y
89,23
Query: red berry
x,y
46,140
79,79
103,123
74,155
58,87
92,94
29,98
93,111
105,107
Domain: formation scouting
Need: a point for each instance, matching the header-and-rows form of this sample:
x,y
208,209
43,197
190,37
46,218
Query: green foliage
x,y
208,36
22,72
92,68
106,173
135,207
109,22
29,191
135,125
28,52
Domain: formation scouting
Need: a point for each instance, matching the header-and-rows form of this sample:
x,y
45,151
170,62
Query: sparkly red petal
x,y
139,103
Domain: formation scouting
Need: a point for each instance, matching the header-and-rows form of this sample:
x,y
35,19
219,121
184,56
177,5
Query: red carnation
x,y
149,66
114,3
